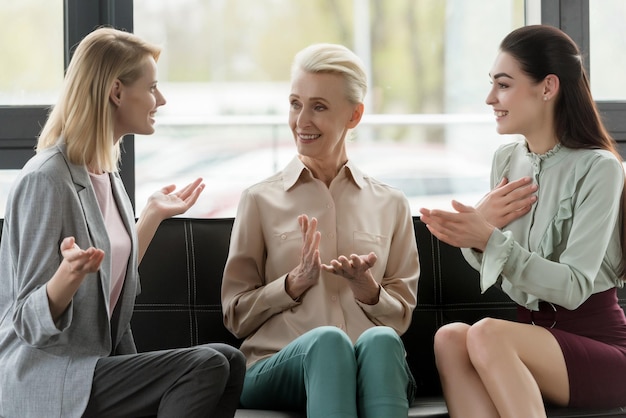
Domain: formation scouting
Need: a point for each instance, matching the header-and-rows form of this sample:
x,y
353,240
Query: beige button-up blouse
x,y
356,215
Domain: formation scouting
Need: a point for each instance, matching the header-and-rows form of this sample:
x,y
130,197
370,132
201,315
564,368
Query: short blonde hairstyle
x,y
337,59
83,115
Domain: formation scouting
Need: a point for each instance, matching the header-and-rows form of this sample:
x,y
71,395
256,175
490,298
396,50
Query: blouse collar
x,y
296,169
546,155
553,156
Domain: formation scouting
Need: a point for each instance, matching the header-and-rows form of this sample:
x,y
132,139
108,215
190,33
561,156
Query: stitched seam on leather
x,y
180,305
437,308
479,306
178,310
195,286
437,273
475,303
187,260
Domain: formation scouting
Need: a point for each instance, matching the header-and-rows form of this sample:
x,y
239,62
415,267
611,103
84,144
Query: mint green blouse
x,y
568,246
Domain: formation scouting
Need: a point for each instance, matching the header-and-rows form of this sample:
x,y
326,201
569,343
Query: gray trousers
x,y
200,381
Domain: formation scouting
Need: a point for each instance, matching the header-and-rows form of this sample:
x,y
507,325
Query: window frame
x,y
20,125
572,16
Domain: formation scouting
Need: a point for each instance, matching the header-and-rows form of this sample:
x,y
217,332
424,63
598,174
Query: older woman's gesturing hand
x,y
356,269
307,273
508,201
466,228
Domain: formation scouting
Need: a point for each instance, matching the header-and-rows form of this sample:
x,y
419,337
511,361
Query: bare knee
x,y
450,336
450,345
485,339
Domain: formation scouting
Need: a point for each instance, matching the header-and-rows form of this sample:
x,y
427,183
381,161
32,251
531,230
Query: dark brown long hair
x,y
542,50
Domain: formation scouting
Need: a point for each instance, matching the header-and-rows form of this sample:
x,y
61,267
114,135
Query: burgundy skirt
x,y
593,340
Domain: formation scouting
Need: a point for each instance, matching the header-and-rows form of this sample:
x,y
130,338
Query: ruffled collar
x,y
547,159
546,155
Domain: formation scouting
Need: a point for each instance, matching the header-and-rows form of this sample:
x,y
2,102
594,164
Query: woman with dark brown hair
x,y
550,239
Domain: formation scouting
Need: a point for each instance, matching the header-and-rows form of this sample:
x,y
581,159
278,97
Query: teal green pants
x,y
323,371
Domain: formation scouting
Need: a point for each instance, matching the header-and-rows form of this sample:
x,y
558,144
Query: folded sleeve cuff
x,y
276,295
494,258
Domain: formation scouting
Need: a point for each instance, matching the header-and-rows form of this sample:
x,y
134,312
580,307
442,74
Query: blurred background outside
x,y
225,72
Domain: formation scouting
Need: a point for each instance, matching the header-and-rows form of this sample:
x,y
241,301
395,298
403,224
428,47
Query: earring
x,y
545,98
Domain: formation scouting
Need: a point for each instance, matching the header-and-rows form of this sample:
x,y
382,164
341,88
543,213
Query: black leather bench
x,y
180,303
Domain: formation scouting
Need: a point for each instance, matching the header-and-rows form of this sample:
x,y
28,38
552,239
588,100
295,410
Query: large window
x,y
225,73
608,49
426,129
31,41
607,58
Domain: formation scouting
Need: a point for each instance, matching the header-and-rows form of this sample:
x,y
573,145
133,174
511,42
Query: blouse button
x,y
283,236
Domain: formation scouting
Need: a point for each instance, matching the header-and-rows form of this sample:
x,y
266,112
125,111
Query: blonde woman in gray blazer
x,y
69,255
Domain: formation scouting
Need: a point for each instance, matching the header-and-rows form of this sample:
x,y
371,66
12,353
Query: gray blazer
x,y
46,368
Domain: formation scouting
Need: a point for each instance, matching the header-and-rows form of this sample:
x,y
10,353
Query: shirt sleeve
x,y
248,300
473,258
33,239
398,294
585,225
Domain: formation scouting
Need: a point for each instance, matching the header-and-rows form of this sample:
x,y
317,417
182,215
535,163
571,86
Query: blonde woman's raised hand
x,y
80,262
75,266
162,205
167,202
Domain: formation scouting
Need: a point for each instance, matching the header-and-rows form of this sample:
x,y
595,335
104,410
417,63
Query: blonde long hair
x,y
83,115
